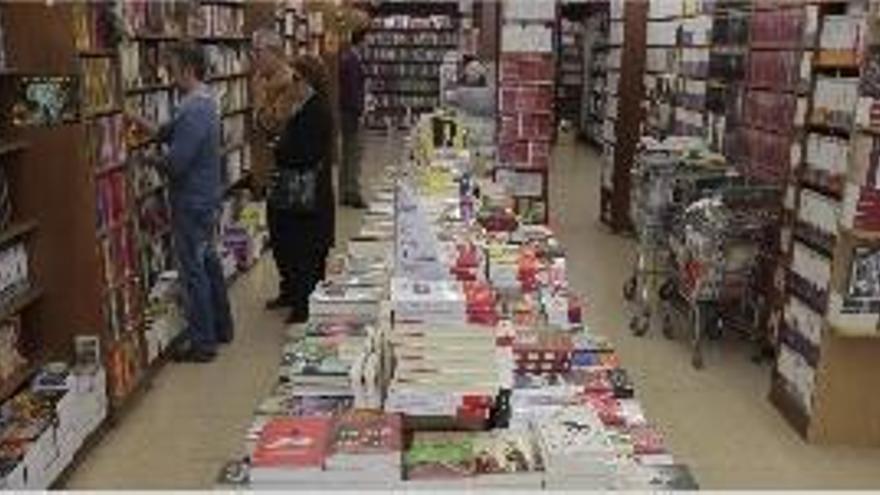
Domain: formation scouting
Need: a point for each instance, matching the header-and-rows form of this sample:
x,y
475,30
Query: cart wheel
x,y
697,360
629,289
668,331
667,291
716,329
639,326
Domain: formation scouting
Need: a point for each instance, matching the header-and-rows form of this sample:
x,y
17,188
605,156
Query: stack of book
x,y
428,301
331,300
469,460
357,448
336,358
366,450
446,371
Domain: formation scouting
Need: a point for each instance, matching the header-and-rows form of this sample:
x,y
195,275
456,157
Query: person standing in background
x,y
351,108
195,190
293,110
274,98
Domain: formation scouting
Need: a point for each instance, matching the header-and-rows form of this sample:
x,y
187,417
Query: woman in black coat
x,y
303,240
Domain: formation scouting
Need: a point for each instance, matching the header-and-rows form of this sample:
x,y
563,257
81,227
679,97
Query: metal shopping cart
x,y
715,248
668,175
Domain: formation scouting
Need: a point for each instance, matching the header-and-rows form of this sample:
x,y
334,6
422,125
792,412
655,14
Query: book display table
x,y
446,349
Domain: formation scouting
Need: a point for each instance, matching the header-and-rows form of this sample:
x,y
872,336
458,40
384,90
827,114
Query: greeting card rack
x,y
828,325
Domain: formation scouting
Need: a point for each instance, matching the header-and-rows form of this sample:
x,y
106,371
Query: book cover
x,y
292,443
506,452
440,455
361,432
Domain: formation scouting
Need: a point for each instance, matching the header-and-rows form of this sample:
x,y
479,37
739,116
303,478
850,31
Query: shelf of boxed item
x,y
444,47
16,303
18,378
9,147
225,3
217,39
829,129
822,247
155,37
401,61
405,92
227,77
17,231
823,189
150,88
414,30
230,113
104,112
97,53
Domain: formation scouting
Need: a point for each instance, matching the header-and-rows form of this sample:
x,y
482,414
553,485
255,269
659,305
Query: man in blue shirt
x,y
192,137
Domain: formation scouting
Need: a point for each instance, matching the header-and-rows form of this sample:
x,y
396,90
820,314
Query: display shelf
x,y
17,230
16,303
17,380
8,147
150,88
231,39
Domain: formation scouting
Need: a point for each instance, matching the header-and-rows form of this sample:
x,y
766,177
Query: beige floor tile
x,y
718,420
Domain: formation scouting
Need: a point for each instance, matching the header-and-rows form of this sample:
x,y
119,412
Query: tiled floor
x,y
717,420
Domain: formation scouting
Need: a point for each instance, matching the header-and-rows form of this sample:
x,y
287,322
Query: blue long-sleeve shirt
x,y
193,139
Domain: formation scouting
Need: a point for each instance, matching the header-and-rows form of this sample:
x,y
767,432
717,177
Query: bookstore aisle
x,y
193,418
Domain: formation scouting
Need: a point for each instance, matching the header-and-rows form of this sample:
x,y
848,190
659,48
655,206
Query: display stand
x,y
827,335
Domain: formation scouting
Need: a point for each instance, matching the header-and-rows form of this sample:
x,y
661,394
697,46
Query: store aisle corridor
x,y
718,420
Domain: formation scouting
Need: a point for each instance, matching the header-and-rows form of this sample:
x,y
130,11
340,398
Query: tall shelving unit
x,y
570,62
117,233
595,51
405,50
21,354
828,344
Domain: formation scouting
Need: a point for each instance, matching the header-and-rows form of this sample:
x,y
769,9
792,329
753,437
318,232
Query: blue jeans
x,y
206,304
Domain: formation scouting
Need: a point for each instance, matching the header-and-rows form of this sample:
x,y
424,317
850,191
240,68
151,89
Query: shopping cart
x,y
667,177
715,250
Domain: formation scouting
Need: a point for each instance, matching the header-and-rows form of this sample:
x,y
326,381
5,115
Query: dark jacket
x,y
351,83
307,141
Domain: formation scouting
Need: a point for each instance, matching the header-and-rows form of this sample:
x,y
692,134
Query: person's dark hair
x,y
191,55
357,36
313,70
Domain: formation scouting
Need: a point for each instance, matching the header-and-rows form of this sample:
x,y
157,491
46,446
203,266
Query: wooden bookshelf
x,y
389,57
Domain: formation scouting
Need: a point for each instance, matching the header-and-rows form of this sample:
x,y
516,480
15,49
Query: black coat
x,y
307,141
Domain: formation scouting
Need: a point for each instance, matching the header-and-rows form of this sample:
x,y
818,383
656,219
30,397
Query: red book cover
x,y
293,442
367,432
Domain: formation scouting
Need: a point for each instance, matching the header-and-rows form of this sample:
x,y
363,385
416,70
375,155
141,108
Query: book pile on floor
x,y
447,350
